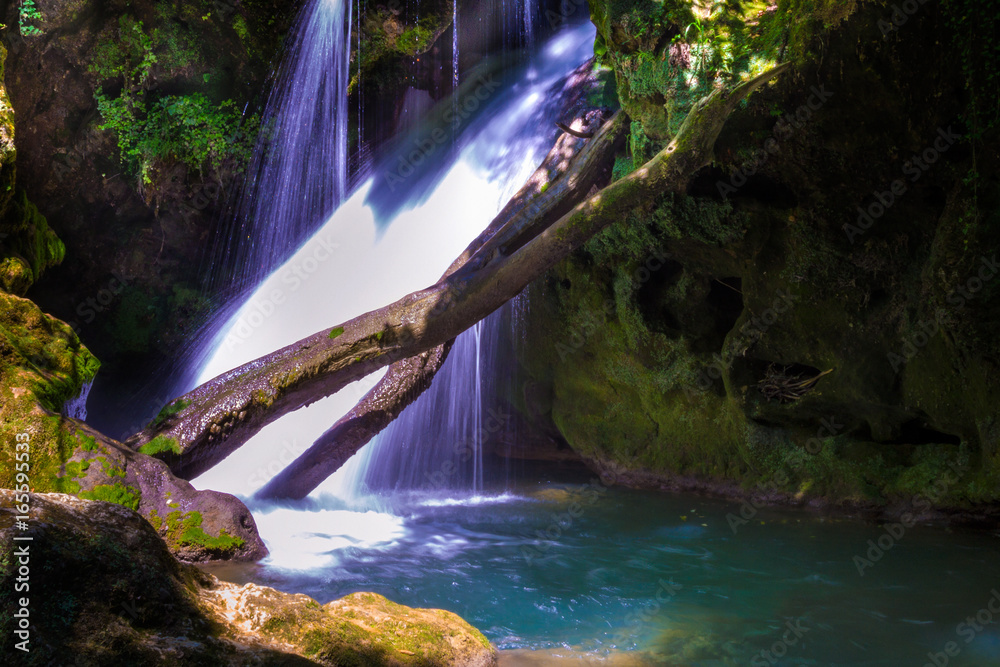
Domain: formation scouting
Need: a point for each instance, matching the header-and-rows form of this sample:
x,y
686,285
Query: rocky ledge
x,y
96,585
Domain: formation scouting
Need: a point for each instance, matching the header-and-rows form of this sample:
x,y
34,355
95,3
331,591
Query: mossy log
x,y
567,174
228,410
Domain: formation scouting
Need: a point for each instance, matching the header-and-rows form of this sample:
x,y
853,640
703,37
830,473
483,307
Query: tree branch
x,y
225,412
566,175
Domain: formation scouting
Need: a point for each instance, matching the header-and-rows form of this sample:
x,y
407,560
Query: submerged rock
x,y
103,589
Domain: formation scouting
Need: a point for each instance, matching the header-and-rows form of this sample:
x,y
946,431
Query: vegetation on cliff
x,y
828,236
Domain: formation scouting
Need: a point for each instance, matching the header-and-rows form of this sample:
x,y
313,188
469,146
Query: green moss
x,y
624,166
88,443
169,411
336,331
801,23
120,494
29,236
110,469
77,468
155,520
186,530
240,26
415,40
161,444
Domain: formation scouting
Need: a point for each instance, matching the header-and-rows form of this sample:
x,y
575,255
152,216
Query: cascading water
x,y
398,232
549,568
529,22
438,444
299,171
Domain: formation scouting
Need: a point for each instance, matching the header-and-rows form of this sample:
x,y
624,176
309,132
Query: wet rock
x,y
105,590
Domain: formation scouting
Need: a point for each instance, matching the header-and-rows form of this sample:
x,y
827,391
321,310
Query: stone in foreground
x,y
103,589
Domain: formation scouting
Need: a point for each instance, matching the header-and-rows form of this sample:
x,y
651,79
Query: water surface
x,y
564,566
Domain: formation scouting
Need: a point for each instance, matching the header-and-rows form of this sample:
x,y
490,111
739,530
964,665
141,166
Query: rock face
x,y
132,138
28,246
43,366
667,350
104,590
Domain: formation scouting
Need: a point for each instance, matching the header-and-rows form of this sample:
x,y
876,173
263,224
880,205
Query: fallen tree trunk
x,y
217,417
564,178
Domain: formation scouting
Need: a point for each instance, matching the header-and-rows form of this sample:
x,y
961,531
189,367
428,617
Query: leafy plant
x,y
29,13
151,130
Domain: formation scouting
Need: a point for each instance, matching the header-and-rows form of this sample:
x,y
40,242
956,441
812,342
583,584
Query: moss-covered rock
x,y
43,366
27,245
105,590
664,344
390,38
360,629
668,54
196,525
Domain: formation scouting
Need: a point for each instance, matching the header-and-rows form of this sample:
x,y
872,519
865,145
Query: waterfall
x,y
397,233
438,443
529,22
298,174
454,44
